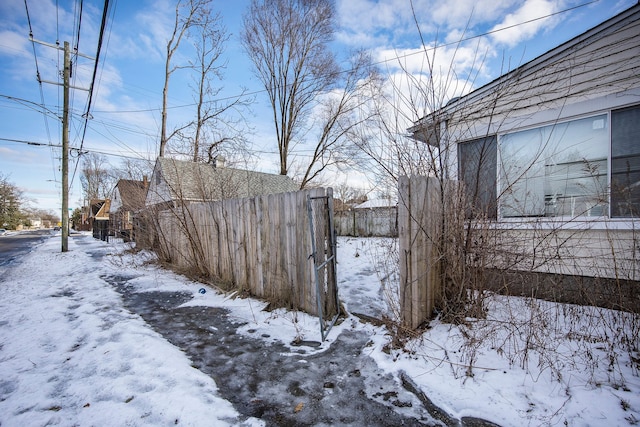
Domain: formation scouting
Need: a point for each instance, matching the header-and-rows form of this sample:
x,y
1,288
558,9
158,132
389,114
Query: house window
x,y
477,169
625,162
556,170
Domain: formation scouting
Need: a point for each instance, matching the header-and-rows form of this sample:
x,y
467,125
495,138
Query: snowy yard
x,y
71,354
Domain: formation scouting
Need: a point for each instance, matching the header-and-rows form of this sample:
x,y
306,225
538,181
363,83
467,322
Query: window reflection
x,y
555,170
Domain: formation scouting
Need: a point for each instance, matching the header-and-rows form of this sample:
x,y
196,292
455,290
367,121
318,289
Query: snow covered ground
x,y
71,354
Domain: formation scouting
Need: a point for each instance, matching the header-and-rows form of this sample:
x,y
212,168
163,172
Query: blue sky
x,y
126,103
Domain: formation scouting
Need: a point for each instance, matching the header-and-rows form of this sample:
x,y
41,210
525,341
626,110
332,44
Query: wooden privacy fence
x,y
419,225
368,222
261,245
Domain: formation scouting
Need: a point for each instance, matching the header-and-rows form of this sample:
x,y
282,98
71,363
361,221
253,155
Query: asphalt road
x,y
14,244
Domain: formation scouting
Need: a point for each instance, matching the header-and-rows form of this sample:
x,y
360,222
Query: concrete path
x,y
340,386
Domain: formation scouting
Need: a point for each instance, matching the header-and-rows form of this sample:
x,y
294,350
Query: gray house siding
x,y
571,114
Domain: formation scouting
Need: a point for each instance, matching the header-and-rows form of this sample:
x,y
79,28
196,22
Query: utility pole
x,y
66,77
65,148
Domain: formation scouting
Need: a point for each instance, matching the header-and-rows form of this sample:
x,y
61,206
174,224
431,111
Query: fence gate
x,y
323,247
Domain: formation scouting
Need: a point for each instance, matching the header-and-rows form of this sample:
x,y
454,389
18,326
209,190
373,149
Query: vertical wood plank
x,y
332,279
419,215
260,244
404,231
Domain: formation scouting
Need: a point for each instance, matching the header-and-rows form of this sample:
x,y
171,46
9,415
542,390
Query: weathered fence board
x,y
367,222
261,245
419,219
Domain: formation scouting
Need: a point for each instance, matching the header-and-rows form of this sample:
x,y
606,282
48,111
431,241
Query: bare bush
x,y
543,277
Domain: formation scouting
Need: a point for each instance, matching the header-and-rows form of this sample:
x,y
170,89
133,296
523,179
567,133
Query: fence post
x,y
419,214
257,244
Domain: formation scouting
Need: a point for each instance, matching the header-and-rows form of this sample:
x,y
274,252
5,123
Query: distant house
x,y
99,218
555,145
127,198
175,182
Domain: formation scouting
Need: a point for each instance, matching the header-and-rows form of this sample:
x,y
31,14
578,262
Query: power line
x,y
139,156
93,78
419,51
57,24
76,48
32,105
244,94
107,124
39,144
35,56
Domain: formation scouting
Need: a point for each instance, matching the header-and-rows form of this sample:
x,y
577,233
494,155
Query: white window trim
x,y
564,222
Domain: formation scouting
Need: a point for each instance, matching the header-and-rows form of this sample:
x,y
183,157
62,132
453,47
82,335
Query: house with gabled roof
x,y
176,182
127,198
99,218
555,145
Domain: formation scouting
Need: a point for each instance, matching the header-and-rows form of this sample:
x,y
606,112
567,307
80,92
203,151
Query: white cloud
x,y
461,62
446,64
368,16
375,22
7,152
460,13
13,44
520,30
156,25
392,22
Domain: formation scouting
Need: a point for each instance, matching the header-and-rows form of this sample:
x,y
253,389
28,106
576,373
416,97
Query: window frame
x,y
500,191
606,220
636,155
489,208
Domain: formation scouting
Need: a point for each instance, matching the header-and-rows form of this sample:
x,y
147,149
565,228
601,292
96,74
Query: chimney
x,y
219,162
145,182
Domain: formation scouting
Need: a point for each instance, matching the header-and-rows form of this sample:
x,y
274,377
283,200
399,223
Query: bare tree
x,y
132,169
545,253
345,196
184,18
288,43
96,178
341,113
210,37
47,216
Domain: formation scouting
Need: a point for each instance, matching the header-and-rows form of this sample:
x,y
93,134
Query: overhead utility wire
x,y
77,44
263,90
57,24
88,150
86,115
26,103
44,109
497,30
39,144
35,57
383,61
